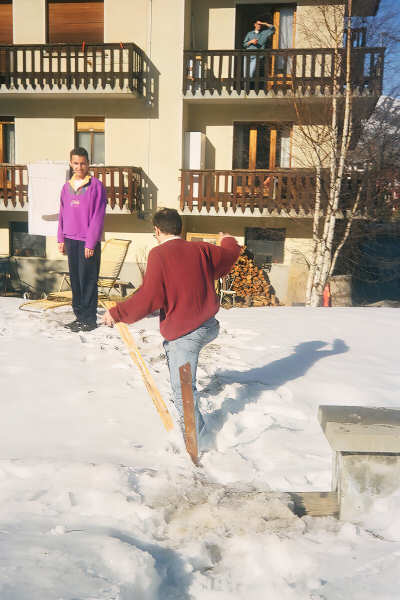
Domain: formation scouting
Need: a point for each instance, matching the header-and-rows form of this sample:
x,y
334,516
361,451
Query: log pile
x,y
250,283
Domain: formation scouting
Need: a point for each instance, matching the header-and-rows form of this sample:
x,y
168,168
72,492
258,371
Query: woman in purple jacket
x,y
80,226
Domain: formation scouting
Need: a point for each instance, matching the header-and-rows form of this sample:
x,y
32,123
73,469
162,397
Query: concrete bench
x,y
366,446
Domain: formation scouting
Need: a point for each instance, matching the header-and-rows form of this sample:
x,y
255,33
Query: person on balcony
x,y
80,226
256,40
179,281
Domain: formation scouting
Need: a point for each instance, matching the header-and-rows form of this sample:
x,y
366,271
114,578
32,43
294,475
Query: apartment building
x,y
175,112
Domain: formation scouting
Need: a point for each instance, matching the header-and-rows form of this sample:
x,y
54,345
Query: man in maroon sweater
x,y
179,281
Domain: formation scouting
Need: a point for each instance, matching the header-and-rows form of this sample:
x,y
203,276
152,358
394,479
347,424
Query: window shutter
x,y
6,24
75,22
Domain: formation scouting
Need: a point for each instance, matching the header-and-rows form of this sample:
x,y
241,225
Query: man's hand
x,y
222,236
61,247
254,41
89,252
107,319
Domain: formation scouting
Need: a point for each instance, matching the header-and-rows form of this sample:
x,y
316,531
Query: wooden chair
x,y
225,289
113,256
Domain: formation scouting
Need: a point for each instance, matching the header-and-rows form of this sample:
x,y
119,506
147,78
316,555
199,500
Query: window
x,y
7,147
90,135
6,24
24,244
73,21
266,245
7,140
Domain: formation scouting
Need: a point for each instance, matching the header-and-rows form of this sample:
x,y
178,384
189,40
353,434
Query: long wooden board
x,y
315,504
185,374
144,371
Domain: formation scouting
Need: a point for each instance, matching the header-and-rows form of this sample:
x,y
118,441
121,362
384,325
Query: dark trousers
x,y
83,273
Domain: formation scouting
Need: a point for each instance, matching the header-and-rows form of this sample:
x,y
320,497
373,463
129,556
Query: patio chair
x,y
113,256
225,289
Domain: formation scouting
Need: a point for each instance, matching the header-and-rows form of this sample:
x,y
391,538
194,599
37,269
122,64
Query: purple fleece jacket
x,y
82,213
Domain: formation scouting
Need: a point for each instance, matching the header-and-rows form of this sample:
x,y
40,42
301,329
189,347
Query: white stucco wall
x,y
43,138
29,21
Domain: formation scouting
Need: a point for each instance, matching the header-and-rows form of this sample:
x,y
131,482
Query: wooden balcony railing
x,y
123,185
72,66
358,37
239,190
277,192
293,71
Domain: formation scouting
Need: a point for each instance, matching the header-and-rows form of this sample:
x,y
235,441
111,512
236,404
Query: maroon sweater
x,y
179,281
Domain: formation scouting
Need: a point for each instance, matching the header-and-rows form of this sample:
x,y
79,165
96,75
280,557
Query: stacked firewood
x,y
250,283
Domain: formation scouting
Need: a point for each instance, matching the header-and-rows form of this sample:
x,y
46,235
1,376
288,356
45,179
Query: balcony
x,y
279,192
276,193
97,68
290,72
124,187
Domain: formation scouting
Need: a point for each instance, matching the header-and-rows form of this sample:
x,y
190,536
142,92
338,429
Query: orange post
x,y
327,299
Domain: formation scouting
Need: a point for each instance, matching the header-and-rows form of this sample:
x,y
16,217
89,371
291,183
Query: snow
x,y
99,502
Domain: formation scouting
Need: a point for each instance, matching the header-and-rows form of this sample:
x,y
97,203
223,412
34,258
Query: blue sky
x,y
392,74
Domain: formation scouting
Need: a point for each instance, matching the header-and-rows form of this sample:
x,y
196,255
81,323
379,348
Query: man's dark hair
x,y
79,152
168,220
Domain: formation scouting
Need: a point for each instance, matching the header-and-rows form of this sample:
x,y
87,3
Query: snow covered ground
x,y
98,502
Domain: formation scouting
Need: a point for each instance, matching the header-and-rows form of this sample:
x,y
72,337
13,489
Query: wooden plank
x,y
315,504
182,197
121,67
185,374
130,202
103,69
252,148
24,77
12,188
146,375
240,71
112,188
95,75
120,187
112,69
275,46
20,186
3,185
85,67
257,73
131,83
2,157
272,149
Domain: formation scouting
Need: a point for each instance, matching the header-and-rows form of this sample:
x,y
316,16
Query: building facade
x,y
162,95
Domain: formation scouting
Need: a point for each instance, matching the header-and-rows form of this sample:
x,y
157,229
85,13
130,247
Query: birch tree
x,y
327,148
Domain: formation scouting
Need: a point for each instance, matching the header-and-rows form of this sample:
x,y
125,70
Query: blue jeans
x,y
186,349
251,61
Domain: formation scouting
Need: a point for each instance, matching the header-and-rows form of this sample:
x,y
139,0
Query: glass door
x,y
285,29
258,147
261,146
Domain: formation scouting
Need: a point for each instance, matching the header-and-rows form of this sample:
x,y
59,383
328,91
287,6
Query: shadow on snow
x,y
268,377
